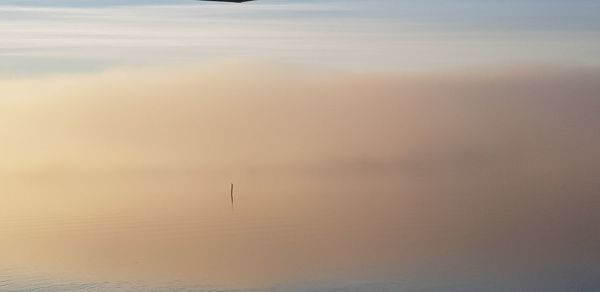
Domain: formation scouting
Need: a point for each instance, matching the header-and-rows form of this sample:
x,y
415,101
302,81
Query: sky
x,y
45,37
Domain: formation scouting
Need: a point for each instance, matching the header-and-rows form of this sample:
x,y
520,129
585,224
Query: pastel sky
x,y
40,37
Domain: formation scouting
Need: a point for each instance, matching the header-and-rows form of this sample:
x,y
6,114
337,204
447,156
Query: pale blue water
x,y
586,281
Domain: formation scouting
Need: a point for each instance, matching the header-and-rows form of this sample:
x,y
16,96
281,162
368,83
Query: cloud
x,y
491,166
338,34
109,36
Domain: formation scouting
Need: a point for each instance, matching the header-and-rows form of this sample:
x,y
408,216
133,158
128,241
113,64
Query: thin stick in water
x,y
232,202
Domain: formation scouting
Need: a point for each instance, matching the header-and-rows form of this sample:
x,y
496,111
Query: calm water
x,y
302,229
